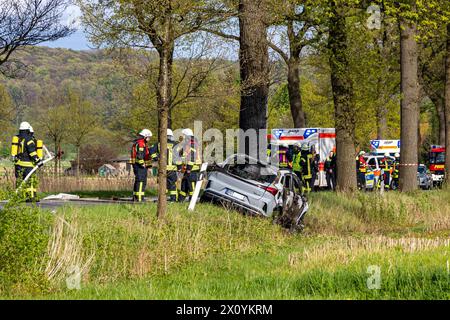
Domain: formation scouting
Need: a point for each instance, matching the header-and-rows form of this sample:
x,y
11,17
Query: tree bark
x,y
382,127
78,160
447,108
409,107
439,103
295,97
343,101
164,99
254,69
55,171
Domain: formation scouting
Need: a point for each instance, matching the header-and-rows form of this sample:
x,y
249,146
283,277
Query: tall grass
x,y
123,250
367,213
50,184
129,242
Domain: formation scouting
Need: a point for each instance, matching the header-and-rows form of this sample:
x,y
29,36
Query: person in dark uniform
x,y
172,170
330,170
25,158
192,161
315,161
140,159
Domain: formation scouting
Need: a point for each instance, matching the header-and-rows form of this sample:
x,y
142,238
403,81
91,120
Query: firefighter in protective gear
x,y
140,159
315,162
396,171
172,169
25,156
305,163
191,161
385,166
296,166
361,170
283,156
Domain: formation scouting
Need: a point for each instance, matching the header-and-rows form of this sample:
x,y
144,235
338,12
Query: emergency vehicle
x,y
437,163
381,147
324,140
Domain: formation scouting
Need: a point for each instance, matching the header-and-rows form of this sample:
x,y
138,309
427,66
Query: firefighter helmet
x,y
24,126
305,147
387,154
169,133
397,155
187,132
361,153
31,129
146,133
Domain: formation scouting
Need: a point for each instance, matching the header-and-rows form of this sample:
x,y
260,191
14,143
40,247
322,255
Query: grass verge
x,y
123,252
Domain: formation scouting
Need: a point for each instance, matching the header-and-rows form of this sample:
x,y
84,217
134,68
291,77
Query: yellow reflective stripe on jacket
x,y
30,142
27,164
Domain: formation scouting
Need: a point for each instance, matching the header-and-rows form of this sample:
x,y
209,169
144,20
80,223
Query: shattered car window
x,y
256,172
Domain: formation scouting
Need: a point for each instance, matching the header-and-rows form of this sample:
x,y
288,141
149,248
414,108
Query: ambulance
x,y
381,147
324,140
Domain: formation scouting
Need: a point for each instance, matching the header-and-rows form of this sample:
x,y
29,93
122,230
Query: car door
x,y
288,192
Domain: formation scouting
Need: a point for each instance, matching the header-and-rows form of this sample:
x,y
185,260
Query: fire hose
x,y
48,157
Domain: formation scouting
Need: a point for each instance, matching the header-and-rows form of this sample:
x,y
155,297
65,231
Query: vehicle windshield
x,y
256,172
422,170
437,158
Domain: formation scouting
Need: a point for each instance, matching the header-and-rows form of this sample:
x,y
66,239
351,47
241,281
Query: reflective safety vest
x,y
296,166
189,156
171,165
396,169
140,153
362,164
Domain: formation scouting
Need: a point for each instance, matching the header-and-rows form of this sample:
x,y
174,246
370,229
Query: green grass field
x,y
123,252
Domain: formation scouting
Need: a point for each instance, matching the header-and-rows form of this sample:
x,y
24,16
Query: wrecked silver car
x,y
256,188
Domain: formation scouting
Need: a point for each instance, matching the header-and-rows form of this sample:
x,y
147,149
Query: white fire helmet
x,y
24,126
146,133
187,132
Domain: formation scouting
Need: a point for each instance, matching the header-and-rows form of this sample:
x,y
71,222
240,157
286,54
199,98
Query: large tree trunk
x,y
164,100
382,127
409,107
447,109
254,69
439,103
343,102
295,97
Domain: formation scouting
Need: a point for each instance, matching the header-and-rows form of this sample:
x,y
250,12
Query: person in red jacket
x,y
361,169
140,159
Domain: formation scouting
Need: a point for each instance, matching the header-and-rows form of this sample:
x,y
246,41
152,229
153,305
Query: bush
x,y
93,157
24,236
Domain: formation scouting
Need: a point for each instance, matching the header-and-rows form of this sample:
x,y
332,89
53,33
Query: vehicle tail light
x,y
272,190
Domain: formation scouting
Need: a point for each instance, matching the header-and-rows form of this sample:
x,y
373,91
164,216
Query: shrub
x,y
24,236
